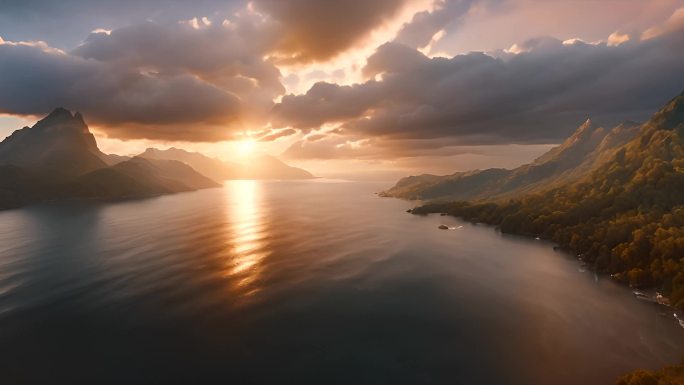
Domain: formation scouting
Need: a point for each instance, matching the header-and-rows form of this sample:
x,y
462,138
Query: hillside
x,y
138,177
171,174
587,148
112,159
626,217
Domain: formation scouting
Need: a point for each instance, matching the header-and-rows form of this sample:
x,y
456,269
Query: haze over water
x,y
316,282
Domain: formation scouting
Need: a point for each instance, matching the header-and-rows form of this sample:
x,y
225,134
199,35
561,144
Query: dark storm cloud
x,y
533,97
318,30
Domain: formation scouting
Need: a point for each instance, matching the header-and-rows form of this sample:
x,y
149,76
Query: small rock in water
x,y
443,227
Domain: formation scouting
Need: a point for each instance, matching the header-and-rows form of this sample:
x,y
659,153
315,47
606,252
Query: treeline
x,y
670,375
626,218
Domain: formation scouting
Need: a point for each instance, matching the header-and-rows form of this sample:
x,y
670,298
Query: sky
x,y
355,88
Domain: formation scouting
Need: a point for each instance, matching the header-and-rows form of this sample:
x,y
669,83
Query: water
x,y
317,282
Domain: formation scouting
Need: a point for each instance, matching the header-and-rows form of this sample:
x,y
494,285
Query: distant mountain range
x,y
587,148
58,158
261,166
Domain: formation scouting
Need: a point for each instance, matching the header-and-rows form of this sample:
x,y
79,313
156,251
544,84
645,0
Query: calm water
x,y
315,282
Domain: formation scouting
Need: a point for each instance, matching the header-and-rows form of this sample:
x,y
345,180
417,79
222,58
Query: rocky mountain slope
x,y
587,148
58,158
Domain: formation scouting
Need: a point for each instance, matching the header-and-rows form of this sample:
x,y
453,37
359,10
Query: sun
x,y
246,147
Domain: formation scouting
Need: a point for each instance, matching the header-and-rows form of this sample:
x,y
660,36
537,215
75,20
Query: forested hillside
x,y
588,147
625,218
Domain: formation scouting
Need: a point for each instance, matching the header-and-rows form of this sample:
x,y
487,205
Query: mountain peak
x,y
588,124
672,115
63,118
60,110
60,142
59,113
79,117
584,131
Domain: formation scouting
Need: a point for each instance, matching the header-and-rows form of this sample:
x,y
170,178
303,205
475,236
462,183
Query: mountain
x,y
264,166
625,217
171,174
139,177
258,166
58,158
59,143
588,147
112,159
213,168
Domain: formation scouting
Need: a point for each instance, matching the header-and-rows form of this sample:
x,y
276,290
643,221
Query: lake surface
x,y
316,282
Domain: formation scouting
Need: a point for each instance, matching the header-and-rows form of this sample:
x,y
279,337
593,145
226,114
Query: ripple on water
x,y
311,281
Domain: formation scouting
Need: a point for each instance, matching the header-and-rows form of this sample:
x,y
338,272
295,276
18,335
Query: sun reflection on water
x,y
247,235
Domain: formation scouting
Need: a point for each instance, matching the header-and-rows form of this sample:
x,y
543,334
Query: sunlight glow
x,y
246,147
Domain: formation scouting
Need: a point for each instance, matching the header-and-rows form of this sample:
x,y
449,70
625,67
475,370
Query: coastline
x,y
657,299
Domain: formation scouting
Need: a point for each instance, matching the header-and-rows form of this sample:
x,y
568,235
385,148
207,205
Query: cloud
x,y
309,30
65,23
424,25
673,24
277,134
331,147
324,102
201,78
539,95
227,55
315,30
171,81
43,80
143,74
617,38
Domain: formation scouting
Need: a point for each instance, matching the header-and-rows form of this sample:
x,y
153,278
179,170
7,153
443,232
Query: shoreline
x,y
574,254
